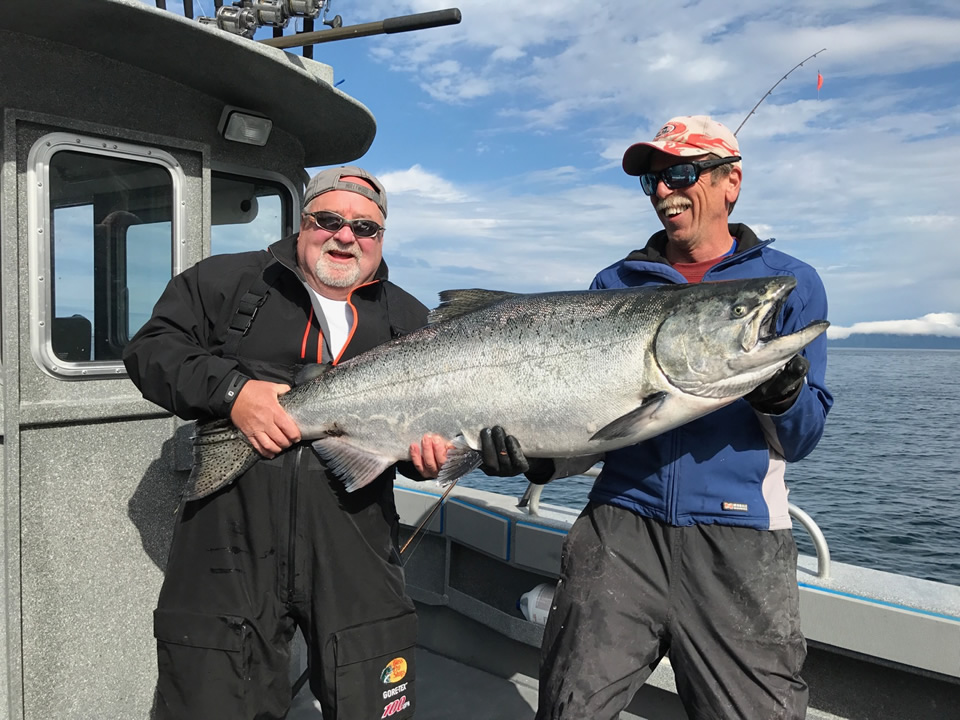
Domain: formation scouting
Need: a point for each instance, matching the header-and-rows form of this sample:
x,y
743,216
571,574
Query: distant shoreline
x,y
896,342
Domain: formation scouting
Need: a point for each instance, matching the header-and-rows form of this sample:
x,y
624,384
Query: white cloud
x,y
455,88
564,174
942,324
939,221
507,53
622,56
504,236
423,183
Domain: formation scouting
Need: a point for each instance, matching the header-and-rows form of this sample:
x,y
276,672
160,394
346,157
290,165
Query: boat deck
x,y
447,688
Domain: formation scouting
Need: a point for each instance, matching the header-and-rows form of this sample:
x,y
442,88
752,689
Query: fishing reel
x,y
244,17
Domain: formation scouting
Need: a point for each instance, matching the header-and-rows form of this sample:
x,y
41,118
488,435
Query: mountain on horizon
x,y
889,340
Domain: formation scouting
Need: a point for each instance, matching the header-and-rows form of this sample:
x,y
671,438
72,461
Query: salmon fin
x,y
311,372
461,459
454,303
354,466
221,454
632,423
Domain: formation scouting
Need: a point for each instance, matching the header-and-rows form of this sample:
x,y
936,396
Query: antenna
x,y
774,87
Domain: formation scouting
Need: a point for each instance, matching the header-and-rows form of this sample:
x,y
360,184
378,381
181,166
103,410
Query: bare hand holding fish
x,y
258,415
429,455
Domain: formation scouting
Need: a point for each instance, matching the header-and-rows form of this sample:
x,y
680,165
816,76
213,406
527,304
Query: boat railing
x,y
818,538
531,501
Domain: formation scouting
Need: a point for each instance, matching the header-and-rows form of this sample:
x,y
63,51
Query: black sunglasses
x,y
677,177
331,222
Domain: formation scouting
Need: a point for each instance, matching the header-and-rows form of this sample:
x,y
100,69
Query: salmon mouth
x,y
768,324
762,327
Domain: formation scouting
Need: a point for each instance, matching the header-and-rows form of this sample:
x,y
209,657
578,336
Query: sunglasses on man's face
x,y
677,177
331,223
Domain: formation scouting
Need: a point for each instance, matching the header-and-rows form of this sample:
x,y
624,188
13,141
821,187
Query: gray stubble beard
x,y
339,280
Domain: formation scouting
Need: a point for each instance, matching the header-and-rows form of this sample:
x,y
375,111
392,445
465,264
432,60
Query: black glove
x,y
502,457
778,394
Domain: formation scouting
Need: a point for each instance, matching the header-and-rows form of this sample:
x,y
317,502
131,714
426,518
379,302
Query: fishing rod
x,y
799,64
426,520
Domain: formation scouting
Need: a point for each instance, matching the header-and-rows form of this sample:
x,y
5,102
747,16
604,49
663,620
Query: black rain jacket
x,y
186,357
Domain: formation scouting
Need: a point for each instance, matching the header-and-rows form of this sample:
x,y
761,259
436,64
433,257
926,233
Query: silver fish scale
x,y
530,363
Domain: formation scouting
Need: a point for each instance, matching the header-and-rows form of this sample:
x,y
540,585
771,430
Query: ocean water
x,y
884,482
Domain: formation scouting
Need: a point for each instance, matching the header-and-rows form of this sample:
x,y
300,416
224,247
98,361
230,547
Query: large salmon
x,y
569,374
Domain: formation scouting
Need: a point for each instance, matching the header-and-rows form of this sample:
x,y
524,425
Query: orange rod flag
x,y
819,81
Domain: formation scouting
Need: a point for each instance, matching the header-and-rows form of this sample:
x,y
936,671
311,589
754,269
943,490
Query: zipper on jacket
x,y
292,545
356,319
672,483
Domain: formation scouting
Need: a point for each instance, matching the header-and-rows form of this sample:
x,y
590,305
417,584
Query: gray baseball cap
x,y
330,179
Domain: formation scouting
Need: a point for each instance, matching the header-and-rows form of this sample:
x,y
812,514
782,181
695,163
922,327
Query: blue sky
x,y
499,140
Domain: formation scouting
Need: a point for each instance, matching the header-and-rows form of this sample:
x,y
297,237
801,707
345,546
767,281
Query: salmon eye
x,y
739,310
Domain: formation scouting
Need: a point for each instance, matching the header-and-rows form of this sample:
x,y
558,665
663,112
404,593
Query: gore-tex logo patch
x,y
735,507
394,691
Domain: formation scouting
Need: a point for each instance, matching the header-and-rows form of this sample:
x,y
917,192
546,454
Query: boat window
x,y
104,227
249,213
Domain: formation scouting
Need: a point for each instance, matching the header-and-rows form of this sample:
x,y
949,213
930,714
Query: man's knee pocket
x,y
204,660
376,669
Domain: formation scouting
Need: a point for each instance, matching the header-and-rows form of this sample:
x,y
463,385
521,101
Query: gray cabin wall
x,y
128,104
47,77
90,470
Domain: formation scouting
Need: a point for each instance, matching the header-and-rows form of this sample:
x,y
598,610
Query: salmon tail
x,y
221,454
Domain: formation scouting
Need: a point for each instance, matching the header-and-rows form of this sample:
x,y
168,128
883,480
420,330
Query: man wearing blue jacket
x,y
685,547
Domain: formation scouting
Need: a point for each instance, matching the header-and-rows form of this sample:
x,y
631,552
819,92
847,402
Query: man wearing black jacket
x,y
284,546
